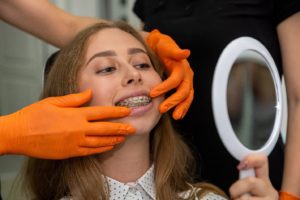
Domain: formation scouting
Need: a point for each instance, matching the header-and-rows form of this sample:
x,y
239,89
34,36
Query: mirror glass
x,y
251,99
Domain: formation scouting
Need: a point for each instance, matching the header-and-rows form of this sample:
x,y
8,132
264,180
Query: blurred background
x,y
22,59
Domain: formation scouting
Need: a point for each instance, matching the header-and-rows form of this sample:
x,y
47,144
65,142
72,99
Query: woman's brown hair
x,y
81,178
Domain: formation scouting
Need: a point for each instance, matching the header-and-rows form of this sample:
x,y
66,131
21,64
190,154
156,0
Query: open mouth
x,y
133,102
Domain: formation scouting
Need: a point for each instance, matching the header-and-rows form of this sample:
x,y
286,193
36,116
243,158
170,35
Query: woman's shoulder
x,y
203,191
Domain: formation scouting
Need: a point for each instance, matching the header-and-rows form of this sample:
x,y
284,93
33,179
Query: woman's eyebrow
x,y
113,53
102,54
136,50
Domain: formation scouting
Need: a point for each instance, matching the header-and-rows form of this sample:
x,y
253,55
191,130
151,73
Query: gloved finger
x,y
83,151
109,128
93,113
182,108
165,46
170,83
168,51
102,141
170,64
71,100
153,38
287,196
180,95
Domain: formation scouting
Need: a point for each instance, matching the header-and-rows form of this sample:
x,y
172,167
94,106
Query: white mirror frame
x,y
219,97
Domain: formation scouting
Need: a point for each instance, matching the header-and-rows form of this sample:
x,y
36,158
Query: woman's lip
x,y
136,111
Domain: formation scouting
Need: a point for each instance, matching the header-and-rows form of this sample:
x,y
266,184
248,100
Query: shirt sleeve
x,y
285,9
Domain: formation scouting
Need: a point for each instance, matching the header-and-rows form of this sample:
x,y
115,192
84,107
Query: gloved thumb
x,y
71,100
165,46
177,54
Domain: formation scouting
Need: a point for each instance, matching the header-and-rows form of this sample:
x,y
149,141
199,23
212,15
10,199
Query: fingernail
x,y
177,116
166,106
153,94
106,148
131,130
187,52
124,110
183,113
242,165
164,109
120,139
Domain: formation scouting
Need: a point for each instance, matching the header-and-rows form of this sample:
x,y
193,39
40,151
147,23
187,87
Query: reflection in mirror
x,y
251,99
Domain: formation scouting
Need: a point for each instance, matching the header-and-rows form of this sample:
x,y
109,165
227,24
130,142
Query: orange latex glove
x,y
181,74
287,196
54,128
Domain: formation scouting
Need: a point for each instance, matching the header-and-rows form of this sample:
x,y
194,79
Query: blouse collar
x,y
119,190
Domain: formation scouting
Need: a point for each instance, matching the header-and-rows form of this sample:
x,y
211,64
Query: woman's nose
x,y
133,76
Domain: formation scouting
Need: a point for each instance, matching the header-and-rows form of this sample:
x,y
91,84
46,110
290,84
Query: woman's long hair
x,y
81,177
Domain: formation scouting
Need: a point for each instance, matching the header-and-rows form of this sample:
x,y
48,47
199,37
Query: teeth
x,y
134,101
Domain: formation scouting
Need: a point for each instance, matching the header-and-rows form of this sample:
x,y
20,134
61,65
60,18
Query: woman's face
x,y
119,72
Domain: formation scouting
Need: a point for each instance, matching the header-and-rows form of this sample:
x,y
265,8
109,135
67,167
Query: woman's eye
x,y
143,66
106,70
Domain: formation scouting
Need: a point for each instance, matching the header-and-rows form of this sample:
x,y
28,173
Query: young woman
x,y
113,61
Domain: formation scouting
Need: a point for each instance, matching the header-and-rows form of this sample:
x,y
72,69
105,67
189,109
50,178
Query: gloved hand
x,y
54,128
287,196
181,74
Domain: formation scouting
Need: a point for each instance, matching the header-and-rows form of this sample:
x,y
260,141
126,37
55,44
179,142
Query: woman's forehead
x,y
113,38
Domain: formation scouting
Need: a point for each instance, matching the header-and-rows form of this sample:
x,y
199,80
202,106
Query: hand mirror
x,y
247,99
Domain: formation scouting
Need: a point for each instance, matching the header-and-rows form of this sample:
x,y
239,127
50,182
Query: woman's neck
x,y
128,161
